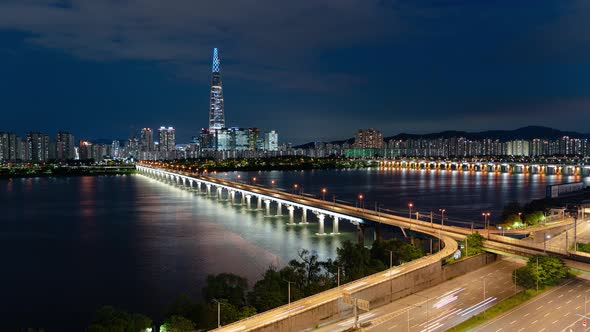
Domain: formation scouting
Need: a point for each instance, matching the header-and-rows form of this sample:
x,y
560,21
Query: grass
x,y
500,308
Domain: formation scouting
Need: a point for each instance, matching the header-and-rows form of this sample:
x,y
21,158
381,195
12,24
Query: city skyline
x,y
402,67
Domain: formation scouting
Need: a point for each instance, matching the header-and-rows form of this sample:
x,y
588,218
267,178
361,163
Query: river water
x,y
71,245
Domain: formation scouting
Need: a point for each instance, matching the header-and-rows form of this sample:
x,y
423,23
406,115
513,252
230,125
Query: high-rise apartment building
x,y
64,146
368,139
8,147
147,139
37,147
271,141
216,110
166,139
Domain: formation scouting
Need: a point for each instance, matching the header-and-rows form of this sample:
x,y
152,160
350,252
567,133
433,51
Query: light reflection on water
x,y
74,244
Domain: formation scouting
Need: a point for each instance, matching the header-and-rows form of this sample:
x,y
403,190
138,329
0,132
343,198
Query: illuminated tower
x,y
216,112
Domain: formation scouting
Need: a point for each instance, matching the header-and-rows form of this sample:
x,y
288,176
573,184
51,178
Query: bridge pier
x,y
360,234
304,217
243,199
267,204
248,200
232,195
321,225
259,203
279,209
335,226
208,190
291,208
219,193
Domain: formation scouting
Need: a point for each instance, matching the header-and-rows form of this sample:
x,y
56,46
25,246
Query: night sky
x,y
311,69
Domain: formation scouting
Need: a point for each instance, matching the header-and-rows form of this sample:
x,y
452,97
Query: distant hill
x,y
526,133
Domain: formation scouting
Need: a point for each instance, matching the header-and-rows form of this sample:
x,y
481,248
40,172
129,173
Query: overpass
x,y
307,312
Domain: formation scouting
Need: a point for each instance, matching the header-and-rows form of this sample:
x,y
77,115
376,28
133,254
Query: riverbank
x,y
64,171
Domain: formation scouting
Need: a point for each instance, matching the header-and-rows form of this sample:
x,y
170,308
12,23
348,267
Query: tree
x,y
226,286
355,261
400,252
510,209
474,243
178,324
109,319
267,292
534,218
546,270
185,307
513,219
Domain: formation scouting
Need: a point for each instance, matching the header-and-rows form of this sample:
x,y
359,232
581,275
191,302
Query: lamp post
x,y
442,218
295,186
486,216
218,313
502,229
324,194
545,238
410,206
360,201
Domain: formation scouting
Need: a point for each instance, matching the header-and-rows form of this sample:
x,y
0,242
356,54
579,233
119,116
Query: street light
x,y
442,218
410,205
360,201
324,194
545,238
295,186
218,312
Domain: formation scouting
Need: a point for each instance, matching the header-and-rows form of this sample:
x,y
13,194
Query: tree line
x,y
307,275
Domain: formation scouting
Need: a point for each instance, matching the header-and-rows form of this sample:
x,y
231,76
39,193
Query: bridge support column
x,y
243,198
219,193
291,217
208,189
267,204
191,185
279,209
248,200
304,217
232,195
335,226
321,225
198,187
360,234
259,203
184,182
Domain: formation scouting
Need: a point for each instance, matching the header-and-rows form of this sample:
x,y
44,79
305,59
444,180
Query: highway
x,y
448,303
554,310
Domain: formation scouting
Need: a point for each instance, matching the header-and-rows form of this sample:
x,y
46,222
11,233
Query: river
x,y
72,244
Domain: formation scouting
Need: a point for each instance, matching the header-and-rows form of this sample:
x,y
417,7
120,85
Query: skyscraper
x,y
167,139
216,111
65,146
147,139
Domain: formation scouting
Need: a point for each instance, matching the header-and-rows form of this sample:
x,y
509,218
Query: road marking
x,y
550,301
547,314
571,290
476,306
578,296
578,307
558,308
560,296
527,314
540,307
566,314
541,330
522,328
514,321
534,322
568,302
498,330
394,326
557,320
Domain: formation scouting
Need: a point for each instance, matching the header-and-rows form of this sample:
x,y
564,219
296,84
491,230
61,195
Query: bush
x,y
534,218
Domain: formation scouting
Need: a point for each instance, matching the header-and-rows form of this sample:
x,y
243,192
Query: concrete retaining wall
x,y
380,294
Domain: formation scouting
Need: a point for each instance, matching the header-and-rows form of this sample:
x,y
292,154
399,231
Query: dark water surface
x,y
70,245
